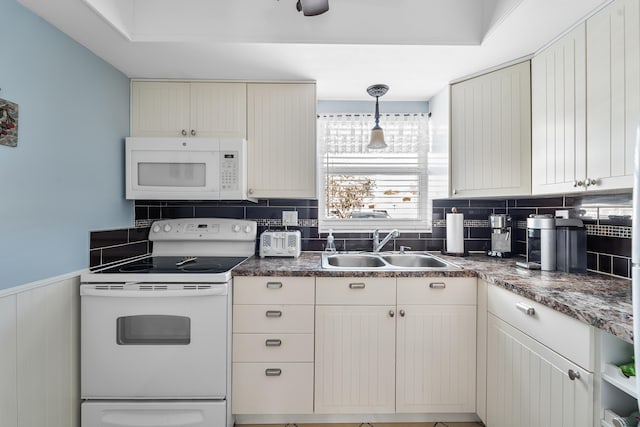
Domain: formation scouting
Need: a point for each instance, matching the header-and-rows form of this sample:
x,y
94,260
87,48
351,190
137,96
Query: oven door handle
x,y
216,291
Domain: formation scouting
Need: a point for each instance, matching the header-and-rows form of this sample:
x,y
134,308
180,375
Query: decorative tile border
x,y
618,231
471,223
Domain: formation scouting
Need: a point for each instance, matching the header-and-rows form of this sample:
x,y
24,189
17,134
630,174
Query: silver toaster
x,y
280,243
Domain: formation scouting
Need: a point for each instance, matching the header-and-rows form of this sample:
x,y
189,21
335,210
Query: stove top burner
x,y
172,264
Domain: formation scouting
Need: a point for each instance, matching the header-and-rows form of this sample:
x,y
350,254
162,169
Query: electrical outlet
x,y
290,218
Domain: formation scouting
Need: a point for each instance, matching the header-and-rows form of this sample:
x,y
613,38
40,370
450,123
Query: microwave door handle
x,y
215,291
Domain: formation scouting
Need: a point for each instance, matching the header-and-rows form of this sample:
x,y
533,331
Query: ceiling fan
x,y
312,7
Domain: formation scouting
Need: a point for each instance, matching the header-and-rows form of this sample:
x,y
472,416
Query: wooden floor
x,y
430,424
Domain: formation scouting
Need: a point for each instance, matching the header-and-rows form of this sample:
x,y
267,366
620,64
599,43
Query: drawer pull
x,y
273,343
437,285
274,313
274,285
273,372
391,313
359,285
526,309
574,375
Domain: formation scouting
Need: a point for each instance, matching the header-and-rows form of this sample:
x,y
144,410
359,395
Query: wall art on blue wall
x,y
8,123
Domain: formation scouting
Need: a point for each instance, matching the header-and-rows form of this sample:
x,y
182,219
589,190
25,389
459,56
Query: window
x,y
365,189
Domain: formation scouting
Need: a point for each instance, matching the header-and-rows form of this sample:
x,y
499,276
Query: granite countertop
x,y
596,299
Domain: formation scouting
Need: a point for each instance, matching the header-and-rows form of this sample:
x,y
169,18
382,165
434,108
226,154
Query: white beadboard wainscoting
x,y
39,354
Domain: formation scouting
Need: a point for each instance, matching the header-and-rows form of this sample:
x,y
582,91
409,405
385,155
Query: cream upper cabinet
x,y
491,134
191,109
558,110
613,94
282,140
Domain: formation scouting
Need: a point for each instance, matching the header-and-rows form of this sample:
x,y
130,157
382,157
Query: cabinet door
x,y
436,359
159,108
355,359
282,140
219,109
491,134
528,384
558,114
481,350
613,94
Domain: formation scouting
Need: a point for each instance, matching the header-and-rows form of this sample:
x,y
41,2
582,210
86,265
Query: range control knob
x,y
166,228
156,228
235,228
247,229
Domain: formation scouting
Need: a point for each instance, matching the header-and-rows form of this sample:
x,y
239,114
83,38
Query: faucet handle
x,y
404,248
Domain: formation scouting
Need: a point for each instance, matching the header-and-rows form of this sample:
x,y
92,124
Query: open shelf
x,y
612,374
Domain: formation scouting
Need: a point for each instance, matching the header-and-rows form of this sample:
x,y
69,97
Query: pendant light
x,y
312,7
376,142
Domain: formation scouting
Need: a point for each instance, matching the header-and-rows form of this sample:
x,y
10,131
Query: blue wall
x,y
66,176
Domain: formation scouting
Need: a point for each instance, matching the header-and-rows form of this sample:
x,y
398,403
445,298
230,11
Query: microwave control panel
x,y
229,170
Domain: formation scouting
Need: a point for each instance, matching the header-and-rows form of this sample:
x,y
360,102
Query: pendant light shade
x,y
376,142
312,7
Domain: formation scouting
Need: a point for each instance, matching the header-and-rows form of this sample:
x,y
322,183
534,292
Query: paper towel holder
x,y
457,254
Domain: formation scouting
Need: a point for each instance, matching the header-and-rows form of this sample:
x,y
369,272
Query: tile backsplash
x,y
607,219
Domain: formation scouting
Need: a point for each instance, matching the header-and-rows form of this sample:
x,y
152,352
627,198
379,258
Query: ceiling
x,y
415,46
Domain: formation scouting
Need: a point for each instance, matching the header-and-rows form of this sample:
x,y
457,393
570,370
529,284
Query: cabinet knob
x,y
250,191
391,313
589,182
184,132
577,183
402,313
574,375
193,132
455,191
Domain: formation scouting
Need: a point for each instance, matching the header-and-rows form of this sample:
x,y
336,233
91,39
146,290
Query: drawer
x,y
355,291
287,390
273,347
437,290
265,319
565,335
273,290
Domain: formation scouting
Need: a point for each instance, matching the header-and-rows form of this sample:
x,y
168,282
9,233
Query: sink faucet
x,y
377,244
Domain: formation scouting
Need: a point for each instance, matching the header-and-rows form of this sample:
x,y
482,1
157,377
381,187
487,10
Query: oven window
x,y
172,174
151,329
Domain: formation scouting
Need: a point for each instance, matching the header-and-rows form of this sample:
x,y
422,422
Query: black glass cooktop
x,y
177,264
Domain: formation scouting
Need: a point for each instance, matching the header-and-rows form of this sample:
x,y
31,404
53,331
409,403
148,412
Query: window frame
x,y
421,225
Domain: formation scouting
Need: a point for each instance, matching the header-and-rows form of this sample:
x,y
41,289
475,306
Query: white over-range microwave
x,y
186,168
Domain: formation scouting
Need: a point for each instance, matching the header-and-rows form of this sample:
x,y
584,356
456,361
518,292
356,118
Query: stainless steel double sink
x,y
384,261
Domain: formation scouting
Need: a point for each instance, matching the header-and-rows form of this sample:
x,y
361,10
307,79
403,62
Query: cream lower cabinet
x,y
355,345
188,109
436,345
273,324
379,354
531,380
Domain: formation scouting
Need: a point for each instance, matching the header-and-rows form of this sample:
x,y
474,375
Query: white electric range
x,y
156,331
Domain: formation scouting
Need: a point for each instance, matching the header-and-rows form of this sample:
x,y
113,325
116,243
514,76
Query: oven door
x,y
153,344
